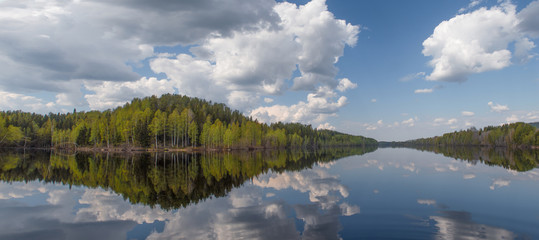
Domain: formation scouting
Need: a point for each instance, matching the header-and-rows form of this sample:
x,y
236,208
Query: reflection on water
x,y
170,180
511,158
385,194
459,225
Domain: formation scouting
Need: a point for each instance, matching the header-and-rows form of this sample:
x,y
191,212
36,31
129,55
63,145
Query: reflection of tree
x,y
510,158
170,180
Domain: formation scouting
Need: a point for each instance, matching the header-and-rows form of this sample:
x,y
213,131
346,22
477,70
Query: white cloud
x,y
268,100
426,201
472,4
371,127
467,113
325,126
497,107
241,68
468,176
348,210
459,225
511,119
532,116
15,101
374,126
443,121
101,205
239,51
452,121
320,185
475,42
345,84
318,107
395,124
111,94
374,100
93,40
425,90
409,122
498,183
412,76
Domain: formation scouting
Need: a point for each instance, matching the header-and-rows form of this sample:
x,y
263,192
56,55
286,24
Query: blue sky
x,y
392,70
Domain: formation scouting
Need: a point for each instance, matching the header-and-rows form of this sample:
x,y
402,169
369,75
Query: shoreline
x,y
153,150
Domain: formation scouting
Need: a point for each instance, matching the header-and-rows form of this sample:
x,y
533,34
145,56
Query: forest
x,y
517,159
508,135
166,122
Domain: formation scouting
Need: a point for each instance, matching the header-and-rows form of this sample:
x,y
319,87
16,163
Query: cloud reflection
x,y
245,214
44,222
459,225
498,183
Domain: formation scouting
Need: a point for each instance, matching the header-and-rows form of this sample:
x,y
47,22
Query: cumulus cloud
x,y
268,100
410,122
245,214
92,40
374,100
467,113
102,206
478,41
532,116
452,121
468,176
325,126
345,84
378,124
319,106
15,101
238,52
498,183
425,90
529,19
20,190
111,94
318,183
512,118
252,63
497,107
442,121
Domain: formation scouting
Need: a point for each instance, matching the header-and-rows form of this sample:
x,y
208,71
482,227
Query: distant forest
x,y
508,135
169,121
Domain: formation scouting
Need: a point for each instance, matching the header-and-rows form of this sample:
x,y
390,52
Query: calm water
x,y
347,193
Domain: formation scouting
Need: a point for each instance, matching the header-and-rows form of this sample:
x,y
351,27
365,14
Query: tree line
x,y
169,121
508,135
517,159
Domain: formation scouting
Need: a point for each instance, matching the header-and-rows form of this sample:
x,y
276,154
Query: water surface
x,y
339,193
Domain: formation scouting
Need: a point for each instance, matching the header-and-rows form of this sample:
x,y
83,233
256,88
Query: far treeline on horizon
x,y
170,121
175,121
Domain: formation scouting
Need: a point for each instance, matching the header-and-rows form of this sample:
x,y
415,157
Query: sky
x,y
392,70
